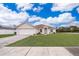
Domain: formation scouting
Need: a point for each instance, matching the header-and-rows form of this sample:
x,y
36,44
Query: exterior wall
x,y
48,31
54,30
26,31
42,31
51,31
45,32
35,31
6,31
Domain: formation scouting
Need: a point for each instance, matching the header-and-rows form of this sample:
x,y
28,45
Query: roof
x,y
24,26
42,26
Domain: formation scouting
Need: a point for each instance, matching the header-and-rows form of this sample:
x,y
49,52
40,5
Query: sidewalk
x,y
34,51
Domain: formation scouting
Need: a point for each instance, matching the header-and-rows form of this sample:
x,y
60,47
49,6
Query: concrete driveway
x,y
11,39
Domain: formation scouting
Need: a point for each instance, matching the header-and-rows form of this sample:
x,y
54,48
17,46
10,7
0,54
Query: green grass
x,y
6,35
58,39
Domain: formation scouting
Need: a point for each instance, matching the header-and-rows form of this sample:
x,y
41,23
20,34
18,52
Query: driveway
x,y
12,39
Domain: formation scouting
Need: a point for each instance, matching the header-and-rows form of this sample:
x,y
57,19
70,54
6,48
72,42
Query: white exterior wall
x,y
42,31
35,31
54,30
48,31
6,31
26,31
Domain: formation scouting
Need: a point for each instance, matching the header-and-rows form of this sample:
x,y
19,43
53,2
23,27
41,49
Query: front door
x,y
45,30
40,31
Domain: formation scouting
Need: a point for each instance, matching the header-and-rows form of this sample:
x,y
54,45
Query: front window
x,y
40,30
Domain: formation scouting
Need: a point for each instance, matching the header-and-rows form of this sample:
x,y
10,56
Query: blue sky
x,y
47,13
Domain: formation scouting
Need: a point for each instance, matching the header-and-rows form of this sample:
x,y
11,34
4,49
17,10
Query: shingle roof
x,y
42,26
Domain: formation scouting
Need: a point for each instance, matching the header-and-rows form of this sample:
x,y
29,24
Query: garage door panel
x,y
26,31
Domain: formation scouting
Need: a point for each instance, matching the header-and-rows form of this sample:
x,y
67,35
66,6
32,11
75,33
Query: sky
x,y
53,14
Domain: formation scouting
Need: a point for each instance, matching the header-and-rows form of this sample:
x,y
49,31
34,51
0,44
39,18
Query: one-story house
x,y
28,29
45,29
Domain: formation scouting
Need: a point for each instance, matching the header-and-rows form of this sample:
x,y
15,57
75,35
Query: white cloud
x,y
9,17
34,18
24,6
74,23
78,9
64,6
37,9
62,18
42,3
41,21
2,20
37,23
4,9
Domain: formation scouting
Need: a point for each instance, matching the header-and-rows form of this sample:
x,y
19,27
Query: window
x,y
40,30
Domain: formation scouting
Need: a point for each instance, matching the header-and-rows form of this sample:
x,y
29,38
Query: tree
x,y
73,28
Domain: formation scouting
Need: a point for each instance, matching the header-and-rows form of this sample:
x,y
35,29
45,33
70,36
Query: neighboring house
x,y
6,30
45,29
25,29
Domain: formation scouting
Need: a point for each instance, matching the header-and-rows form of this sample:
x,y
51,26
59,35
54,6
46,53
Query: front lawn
x,y
6,35
57,39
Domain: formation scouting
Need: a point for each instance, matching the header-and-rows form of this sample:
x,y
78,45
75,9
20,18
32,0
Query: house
x,y
25,29
28,29
45,29
22,29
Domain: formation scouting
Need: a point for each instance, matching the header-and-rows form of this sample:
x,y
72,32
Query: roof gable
x,y
25,25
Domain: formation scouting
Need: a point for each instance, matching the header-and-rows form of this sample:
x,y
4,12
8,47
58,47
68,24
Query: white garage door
x,y
26,31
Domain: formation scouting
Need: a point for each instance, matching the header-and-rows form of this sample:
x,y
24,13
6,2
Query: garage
x,y
25,29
